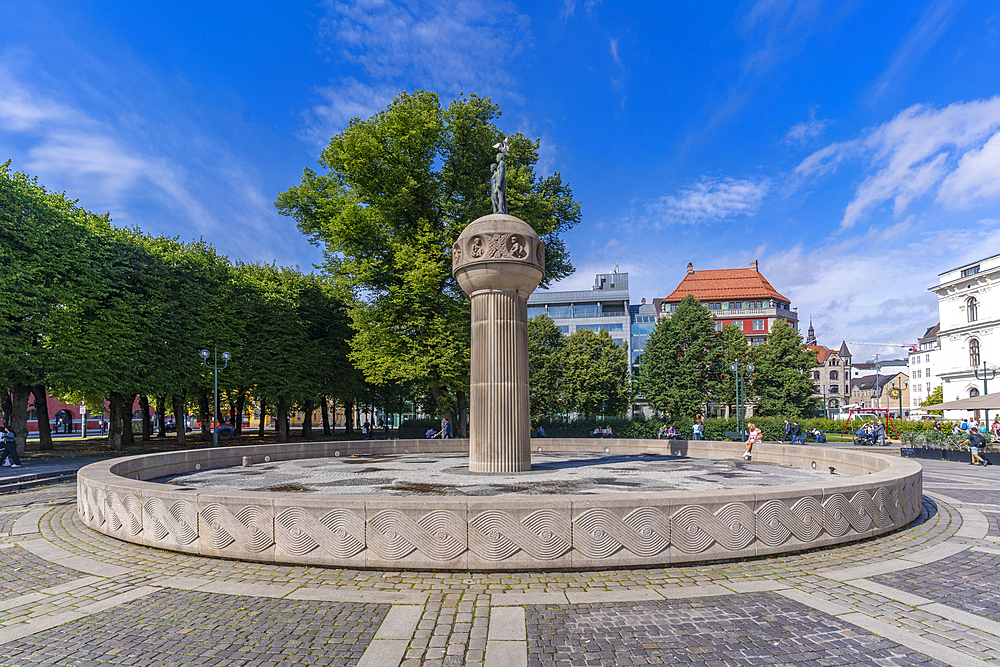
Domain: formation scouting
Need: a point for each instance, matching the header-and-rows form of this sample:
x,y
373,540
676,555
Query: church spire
x,y
811,335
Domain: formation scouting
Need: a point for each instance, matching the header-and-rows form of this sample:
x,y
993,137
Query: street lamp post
x,y
205,354
740,392
992,374
897,392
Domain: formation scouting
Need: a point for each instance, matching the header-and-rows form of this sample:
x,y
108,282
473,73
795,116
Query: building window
x,y
739,324
587,310
556,312
927,359
973,352
535,311
928,387
916,359
972,309
564,328
815,375
758,325
718,326
833,389
834,375
834,361
971,271
973,392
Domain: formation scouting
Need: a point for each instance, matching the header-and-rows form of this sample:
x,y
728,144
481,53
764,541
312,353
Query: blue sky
x,y
852,147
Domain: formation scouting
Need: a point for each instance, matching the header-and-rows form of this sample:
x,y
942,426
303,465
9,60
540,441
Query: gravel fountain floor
x,y
448,475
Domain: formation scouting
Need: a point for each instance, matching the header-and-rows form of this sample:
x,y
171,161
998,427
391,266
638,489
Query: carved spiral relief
x,y
91,505
496,535
341,533
696,528
124,512
644,532
179,521
250,528
776,522
439,535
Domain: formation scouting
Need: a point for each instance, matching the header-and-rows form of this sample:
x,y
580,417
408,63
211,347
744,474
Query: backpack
x,y
976,440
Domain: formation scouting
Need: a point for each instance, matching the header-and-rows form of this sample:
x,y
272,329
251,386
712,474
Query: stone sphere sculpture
x,y
499,261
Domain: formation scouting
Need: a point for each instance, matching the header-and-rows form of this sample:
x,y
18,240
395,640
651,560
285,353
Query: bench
x,y
734,435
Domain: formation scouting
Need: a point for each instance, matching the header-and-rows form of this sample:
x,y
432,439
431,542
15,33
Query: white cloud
x,y
709,200
920,151
449,46
935,20
801,133
614,52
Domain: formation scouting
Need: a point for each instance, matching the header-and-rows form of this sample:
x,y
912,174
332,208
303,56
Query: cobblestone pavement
x,y
918,596
751,629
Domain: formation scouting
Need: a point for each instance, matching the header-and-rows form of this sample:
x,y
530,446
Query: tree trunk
x,y
19,416
115,421
325,409
206,418
307,421
6,406
460,426
147,425
241,405
128,437
179,418
349,417
42,411
161,414
263,412
281,424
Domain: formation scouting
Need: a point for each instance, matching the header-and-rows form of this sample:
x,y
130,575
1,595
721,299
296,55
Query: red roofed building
x,y
733,296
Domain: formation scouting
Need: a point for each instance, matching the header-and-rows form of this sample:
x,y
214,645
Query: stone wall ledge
x,y
550,532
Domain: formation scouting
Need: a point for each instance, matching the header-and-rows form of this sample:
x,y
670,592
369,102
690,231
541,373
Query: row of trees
x,y
95,313
685,365
586,372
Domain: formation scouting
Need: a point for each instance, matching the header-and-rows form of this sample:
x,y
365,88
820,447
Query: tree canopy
x,y
682,361
546,357
782,381
396,191
595,374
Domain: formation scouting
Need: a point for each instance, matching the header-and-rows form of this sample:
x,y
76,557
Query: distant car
x,y
171,427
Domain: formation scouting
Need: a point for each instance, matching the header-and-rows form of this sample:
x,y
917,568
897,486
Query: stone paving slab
x,y
25,572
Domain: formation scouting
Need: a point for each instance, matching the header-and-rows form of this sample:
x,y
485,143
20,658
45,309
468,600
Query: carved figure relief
x,y
456,255
540,254
516,248
476,247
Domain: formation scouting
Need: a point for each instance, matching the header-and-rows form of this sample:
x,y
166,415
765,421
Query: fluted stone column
x,y
499,261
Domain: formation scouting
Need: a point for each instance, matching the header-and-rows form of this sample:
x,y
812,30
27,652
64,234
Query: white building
x,y
924,360
969,307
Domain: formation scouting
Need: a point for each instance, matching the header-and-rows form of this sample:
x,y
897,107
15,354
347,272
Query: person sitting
x,y
672,433
540,431
755,436
606,433
662,433
597,432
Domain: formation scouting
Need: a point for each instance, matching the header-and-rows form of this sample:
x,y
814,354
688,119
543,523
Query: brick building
x,y
733,296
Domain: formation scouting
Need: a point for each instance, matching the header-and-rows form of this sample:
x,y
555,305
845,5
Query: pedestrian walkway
x,y
924,595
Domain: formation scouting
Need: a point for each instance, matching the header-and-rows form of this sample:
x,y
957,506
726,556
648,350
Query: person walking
x,y
696,432
446,432
9,457
753,437
977,447
788,432
797,433
366,429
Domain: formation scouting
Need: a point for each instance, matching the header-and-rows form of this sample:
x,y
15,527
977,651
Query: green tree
x,y
682,361
782,383
44,260
595,374
397,191
934,398
733,343
546,355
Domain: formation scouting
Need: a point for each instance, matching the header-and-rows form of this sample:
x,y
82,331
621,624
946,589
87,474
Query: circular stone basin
x,y
620,526
449,475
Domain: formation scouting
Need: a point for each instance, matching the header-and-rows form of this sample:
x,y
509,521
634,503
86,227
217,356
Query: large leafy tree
x,y
734,348
546,356
934,398
782,381
682,361
595,374
44,270
396,191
